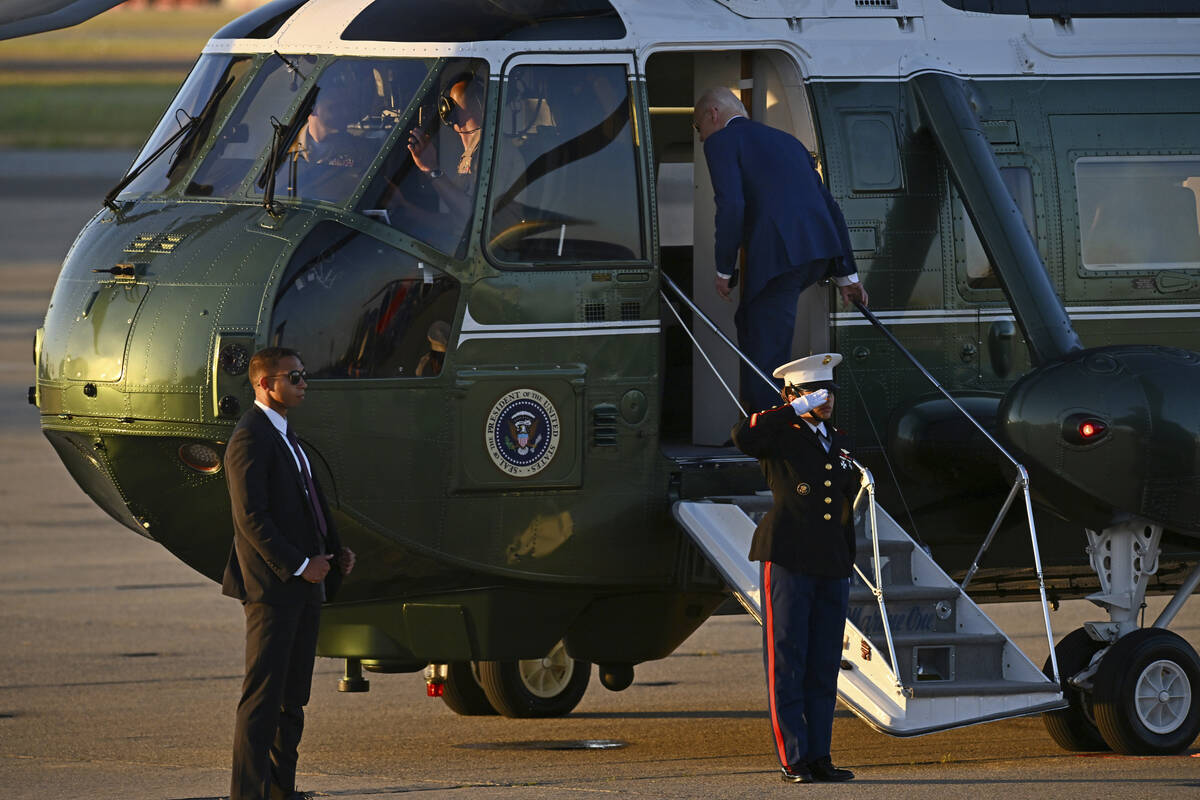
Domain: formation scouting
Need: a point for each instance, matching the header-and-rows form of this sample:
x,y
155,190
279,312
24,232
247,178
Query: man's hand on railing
x,y
852,292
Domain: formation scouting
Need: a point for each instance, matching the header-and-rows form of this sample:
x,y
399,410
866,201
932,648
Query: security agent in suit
x,y
806,546
284,546
772,204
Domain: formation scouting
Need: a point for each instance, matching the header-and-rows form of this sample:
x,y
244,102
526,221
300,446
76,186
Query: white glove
x,y
807,402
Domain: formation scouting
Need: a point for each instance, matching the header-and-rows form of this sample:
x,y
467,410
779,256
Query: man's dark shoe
x,y
798,774
824,771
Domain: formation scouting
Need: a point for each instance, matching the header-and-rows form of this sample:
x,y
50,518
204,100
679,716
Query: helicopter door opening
x,y
696,409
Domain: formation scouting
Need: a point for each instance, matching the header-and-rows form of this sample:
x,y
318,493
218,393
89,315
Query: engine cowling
x,y
1112,432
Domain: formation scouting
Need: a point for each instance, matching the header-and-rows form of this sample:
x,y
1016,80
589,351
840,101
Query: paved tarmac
x,y
120,667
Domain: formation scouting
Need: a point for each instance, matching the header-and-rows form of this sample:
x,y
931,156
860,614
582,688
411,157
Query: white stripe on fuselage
x,y
960,316
473,329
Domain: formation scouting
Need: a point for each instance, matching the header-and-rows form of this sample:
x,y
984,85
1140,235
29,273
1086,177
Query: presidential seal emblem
x,y
522,433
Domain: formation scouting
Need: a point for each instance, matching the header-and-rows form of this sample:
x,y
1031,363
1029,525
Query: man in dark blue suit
x,y
285,560
772,204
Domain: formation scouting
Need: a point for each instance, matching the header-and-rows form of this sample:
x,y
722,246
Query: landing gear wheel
x,y
1074,727
536,687
1145,694
462,692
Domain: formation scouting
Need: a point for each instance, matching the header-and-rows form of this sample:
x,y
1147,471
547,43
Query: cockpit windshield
x,y
412,127
249,130
205,97
427,184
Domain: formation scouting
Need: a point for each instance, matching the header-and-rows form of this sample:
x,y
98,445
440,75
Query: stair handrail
x,y
687,301
1020,483
867,484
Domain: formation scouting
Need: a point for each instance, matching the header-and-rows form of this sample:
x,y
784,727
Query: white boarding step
x,y
867,684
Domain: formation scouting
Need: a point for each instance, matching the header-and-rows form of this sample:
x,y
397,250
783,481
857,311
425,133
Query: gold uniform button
x,y
829,466
828,499
827,517
829,483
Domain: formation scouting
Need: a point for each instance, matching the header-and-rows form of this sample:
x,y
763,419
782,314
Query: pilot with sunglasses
x,y
461,108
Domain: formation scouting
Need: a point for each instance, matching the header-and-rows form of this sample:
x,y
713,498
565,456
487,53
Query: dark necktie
x,y
313,502
826,442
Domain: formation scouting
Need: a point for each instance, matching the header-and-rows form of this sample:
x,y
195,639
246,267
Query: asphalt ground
x,y
120,667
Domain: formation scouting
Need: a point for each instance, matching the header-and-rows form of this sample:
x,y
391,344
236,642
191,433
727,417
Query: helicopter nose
x,y
1111,431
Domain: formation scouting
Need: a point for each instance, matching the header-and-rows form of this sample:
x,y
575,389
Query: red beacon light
x,y
1084,429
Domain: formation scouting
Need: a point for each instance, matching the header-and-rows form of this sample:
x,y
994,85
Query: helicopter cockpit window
x,y
342,125
427,184
484,20
248,132
358,308
565,186
1139,212
203,99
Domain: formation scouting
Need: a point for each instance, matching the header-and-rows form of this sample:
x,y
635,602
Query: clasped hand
x,y
319,566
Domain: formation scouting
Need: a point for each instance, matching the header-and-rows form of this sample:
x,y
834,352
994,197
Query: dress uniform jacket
x,y
810,527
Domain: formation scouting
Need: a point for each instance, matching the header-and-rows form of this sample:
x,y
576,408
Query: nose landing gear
x,y
1145,694
1129,689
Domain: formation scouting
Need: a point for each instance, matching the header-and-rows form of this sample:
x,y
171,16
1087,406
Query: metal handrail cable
x,y
868,484
1021,482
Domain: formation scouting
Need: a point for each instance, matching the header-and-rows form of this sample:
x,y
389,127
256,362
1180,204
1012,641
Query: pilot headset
x,y
448,110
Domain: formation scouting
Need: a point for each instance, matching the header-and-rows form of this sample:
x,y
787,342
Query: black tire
x,y
462,693
540,687
1073,728
1137,671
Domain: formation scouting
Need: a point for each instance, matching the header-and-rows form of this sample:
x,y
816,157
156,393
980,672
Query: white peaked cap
x,y
810,369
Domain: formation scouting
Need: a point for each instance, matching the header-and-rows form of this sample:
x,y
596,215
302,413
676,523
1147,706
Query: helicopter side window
x,y
248,132
981,273
358,308
205,97
1139,212
427,184
565,187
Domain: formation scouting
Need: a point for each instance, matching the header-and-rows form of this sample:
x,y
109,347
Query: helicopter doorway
x,y
697,410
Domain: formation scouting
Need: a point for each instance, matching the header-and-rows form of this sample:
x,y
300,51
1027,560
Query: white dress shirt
x,y
281,425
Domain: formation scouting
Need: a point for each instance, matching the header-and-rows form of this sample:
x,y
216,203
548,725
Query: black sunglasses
x,y
294,377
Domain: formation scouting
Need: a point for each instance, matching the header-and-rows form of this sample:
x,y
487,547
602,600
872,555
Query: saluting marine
x,y
806,546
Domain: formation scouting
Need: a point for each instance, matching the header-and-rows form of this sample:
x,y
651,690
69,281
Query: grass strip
x,y
81,115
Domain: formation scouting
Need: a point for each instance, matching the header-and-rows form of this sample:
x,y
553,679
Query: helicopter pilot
x,y
324,138
805,544
460,107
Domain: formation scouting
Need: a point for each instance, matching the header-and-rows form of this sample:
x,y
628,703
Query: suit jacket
x,y
810,527
771,201
273,523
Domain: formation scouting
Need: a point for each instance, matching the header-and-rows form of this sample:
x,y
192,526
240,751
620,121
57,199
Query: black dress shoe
x,y
798,774
824,771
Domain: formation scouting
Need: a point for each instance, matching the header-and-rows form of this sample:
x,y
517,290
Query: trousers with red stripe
x,y
803,622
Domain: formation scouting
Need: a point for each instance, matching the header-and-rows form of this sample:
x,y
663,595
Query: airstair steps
x,y
954,666
922,689
903,594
